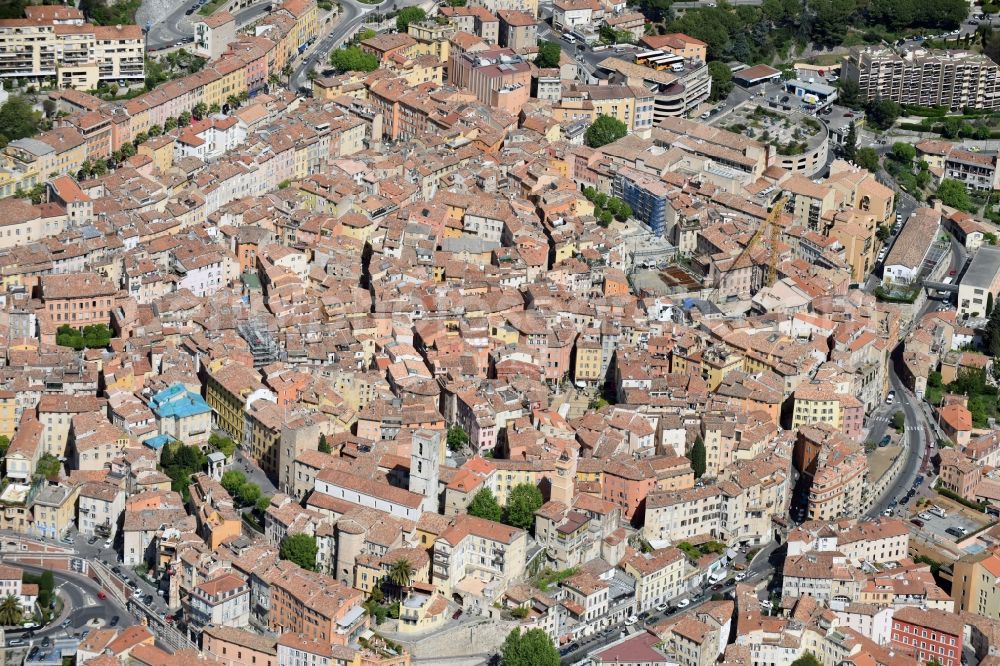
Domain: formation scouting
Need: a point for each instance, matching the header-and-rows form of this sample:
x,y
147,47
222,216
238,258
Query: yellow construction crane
x,y
771,222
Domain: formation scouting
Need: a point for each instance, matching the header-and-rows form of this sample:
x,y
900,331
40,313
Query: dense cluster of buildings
x,y
345,283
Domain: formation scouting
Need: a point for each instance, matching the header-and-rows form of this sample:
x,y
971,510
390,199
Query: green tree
x,y
324,446
248,494
485,505
301,549
262,504
18,119
830,20
233,480
722,79
807,660
401,573
953,193
169,124
224,445
882,113
867,159
199,110
532,648
899,421
993,334
698,457
524,500
408,15
548,54
48,467
457,437
10,611
989,304
603,131
951,127
851,143
184,119
4,445
362,35
990,238
849,93
904,152
353,59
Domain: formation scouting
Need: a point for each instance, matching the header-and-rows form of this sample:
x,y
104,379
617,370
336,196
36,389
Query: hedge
x,y
961,500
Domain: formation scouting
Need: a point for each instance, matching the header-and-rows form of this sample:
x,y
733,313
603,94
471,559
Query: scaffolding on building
x,y
263,346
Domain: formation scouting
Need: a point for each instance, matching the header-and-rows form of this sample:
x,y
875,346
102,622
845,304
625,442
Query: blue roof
x,y
158,442
176,401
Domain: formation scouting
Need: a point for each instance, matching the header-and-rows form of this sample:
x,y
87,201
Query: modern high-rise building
x,y
953,79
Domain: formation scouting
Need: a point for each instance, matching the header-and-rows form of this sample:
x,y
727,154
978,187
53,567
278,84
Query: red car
x,y
101,595
951,273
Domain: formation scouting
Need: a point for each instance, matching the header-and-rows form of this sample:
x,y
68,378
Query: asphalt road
x,y
79,594
177,28
352,15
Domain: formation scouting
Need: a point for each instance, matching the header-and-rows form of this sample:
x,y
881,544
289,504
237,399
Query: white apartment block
x,y
953,79
55,41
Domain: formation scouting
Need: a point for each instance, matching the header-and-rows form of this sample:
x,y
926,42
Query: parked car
x,y
925,516
957,532
884,441
917,522
740,576
457,614
15,642
102,595
92,540
683,603
890,398
114,621
661,607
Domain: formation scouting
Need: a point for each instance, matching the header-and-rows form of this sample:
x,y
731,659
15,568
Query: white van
x,y
938,511
718,576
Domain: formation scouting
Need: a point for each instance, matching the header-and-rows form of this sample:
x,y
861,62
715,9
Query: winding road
x,y
176,27
81,604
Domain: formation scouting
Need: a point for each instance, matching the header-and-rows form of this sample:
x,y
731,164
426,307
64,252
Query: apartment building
x,y
55,41
222,601
228,392
929,634
953,79
974,587
818,402
979,282
498,77
976,170
484,555
78,299
823,576
678,515
100,505
632,105
837,468
659,576
317,606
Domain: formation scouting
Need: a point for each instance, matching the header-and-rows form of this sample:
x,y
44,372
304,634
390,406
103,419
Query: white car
x,y
630,620
740,576
683,603
925,516
108,543
661,607
765,604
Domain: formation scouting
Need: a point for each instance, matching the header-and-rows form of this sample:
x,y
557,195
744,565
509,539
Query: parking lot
x,y
938,526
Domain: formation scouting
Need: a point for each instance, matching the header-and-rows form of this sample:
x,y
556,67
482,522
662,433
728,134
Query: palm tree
x,y
400,573
10,611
